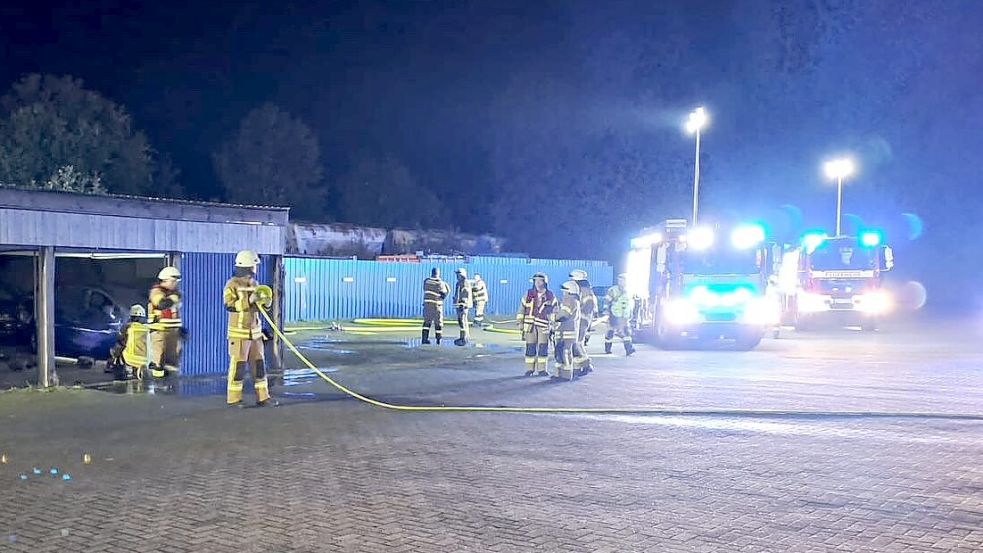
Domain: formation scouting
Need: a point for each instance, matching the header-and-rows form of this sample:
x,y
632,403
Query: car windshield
x,y
842,256
720,262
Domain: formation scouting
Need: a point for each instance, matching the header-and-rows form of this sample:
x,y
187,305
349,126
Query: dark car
x,y
87,320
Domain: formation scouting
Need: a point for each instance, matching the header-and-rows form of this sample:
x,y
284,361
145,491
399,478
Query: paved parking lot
x,y
324,473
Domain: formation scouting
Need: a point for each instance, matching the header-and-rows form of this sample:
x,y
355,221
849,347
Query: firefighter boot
x,y
260,384
156,371
629,348
426,336
462,341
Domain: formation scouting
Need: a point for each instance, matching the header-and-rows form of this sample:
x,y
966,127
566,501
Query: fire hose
x,y
665,411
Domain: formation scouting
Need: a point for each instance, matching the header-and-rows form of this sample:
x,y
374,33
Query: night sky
x,y
468,95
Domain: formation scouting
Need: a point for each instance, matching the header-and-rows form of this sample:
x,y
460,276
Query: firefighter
x,y
588,310
242,296
620,307
479,293
128,358
534,320
462,303
166,330
568,332
435,291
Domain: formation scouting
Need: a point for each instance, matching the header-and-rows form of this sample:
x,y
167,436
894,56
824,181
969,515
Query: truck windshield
x,y
720,262
842,256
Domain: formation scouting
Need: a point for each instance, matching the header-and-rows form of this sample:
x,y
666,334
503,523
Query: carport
x,y
200,238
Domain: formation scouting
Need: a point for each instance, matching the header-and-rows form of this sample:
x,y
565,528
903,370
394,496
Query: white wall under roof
x,y
24,227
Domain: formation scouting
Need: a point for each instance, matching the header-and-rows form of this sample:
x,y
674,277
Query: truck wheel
x,y
747,342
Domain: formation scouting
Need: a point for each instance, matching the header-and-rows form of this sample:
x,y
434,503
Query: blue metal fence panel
x,y
203,278
337,289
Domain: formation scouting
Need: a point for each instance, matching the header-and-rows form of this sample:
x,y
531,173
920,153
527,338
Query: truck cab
x,y
702,285
836,279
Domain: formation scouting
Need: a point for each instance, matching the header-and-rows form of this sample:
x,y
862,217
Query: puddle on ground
x,y
489,349
205,386
325,345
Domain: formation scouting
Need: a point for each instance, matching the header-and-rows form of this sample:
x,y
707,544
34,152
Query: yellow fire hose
x,y
669,411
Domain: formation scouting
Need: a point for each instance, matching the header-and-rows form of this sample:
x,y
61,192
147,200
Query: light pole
x,y
839,169
694,125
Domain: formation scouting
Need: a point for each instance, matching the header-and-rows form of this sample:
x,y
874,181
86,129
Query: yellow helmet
x,y
168,273
247,258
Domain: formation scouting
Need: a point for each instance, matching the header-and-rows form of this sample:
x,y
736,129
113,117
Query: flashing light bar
x,y
870,239
700,238
747,236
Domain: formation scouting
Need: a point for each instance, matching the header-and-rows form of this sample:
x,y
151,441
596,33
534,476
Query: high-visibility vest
x,y
621,304
164,308
243,315
135,352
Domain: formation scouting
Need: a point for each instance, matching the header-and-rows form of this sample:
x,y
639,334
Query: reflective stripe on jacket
x,y
164,308
243,315
537,308
435,291
480,291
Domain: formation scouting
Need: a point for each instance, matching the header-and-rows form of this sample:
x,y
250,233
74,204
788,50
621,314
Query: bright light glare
x,y
879,302
870,239
700,238
747,236
697,120
681,312
812,303
647,240
639,268
762,312
812,241
839,168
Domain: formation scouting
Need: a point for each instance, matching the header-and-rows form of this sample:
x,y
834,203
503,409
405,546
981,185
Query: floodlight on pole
x,y
839,169
694,125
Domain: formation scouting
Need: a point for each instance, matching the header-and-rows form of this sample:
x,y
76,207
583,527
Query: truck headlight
x,y
762,312
812,303
681,312
875,303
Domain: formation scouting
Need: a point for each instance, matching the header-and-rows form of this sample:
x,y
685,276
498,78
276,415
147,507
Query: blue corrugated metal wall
x,y
329,289
203,277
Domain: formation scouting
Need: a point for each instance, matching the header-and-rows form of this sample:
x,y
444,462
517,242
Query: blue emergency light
x,y
870,239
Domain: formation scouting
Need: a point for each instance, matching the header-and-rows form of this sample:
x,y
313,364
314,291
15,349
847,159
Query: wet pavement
x,y
175,470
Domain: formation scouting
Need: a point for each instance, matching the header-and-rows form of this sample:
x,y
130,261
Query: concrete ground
x,y
175,470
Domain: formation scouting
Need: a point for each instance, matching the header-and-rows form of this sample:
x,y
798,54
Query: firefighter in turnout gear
x,y
479,293
534,320
462,303
568,344
242,295
166,330
435,291
128,358
588,310
620,307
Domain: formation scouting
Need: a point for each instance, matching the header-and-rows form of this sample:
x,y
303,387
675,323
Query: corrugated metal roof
x,y
176,201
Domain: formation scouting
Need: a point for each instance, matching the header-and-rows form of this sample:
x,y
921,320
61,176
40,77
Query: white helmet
x,y
477,276
571,287
578,274
137,310
168,273
463,272
247,258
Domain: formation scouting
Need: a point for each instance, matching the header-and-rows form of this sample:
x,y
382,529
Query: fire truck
x,y
703,285
836,279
